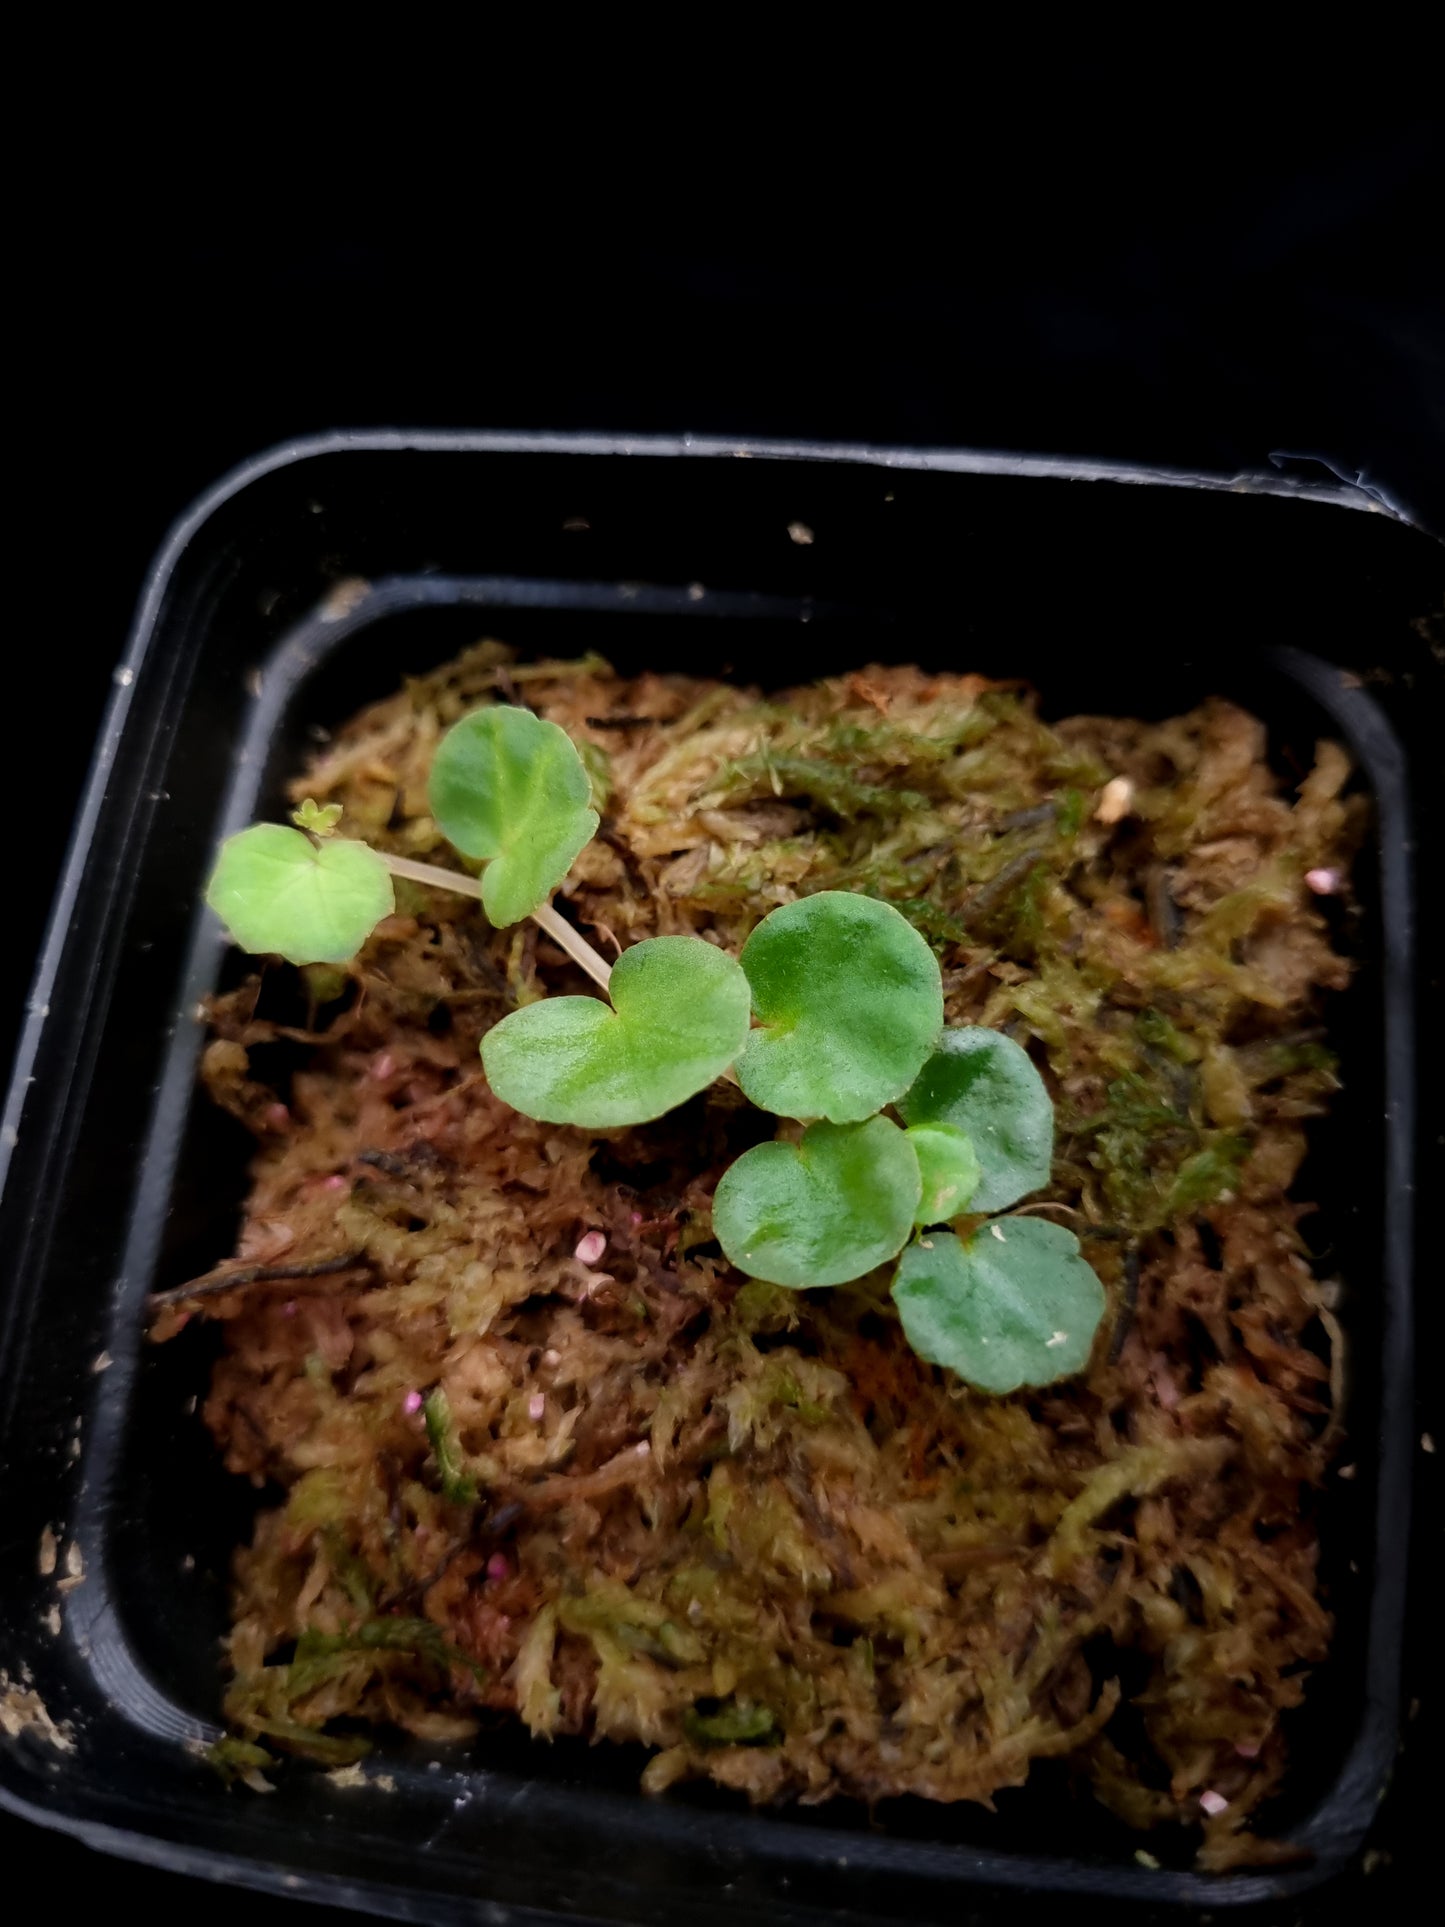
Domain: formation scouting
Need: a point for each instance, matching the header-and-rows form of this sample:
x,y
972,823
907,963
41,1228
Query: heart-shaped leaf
x,y
1016,1304
510,788
985,1084
948,1165
849,1003
821,1211
679,1017
277,891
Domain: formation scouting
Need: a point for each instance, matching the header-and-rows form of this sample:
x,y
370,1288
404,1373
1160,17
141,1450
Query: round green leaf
x,y
821,1211
510,788
985,1084
949,1167
849,1003
277,891
679,1018
1014,1305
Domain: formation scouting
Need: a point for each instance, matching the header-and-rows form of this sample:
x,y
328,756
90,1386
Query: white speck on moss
x,y
1115,801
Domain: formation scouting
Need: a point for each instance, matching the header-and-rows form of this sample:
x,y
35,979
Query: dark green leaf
x,y
821,1211
1016,1304
849,1004
985,1084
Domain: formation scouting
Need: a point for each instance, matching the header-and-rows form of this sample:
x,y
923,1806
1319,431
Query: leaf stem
x,y
544,916
573,942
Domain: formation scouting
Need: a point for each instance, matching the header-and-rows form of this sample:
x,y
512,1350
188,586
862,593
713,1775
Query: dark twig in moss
x,y
990,895
1127,1305
1164,917
213,1283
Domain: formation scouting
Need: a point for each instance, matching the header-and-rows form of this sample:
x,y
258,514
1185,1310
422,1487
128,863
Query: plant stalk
x,y
544,916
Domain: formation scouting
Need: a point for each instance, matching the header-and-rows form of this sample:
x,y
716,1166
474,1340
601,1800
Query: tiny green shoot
x,y
320,819
832,1013
456,1482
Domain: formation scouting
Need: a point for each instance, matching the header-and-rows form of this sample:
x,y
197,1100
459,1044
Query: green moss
x,y
1072,807
235,1758
635,1623
941,929
1160,1033
598,765
456,1483
732,1722
1202,1178
824,785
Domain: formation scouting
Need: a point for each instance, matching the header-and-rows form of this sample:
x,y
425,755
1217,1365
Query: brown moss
x,y
751,1527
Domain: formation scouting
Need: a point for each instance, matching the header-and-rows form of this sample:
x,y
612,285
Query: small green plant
x,y
831,1016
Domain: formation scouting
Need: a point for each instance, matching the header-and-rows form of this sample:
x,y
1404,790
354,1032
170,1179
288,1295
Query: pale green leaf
x,y
948,1164
509,788
278,893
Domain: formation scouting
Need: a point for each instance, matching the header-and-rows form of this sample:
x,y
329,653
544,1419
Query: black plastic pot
x,y
308,583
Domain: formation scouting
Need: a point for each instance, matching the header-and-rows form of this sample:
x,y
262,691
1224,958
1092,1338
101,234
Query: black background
x,y
1101,273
